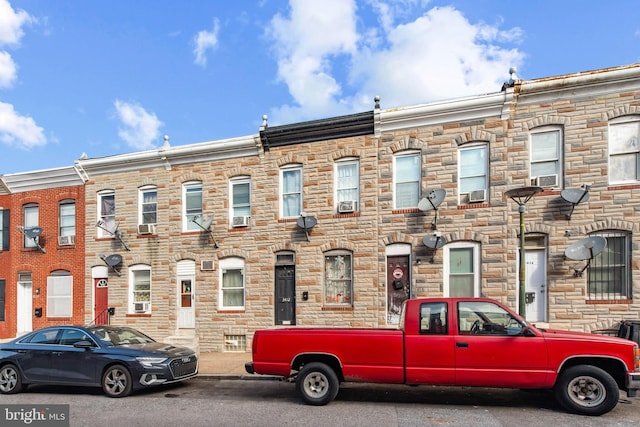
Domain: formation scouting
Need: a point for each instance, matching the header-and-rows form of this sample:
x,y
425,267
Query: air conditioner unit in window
x,y
240,221
547,181
347,206
477,196
141,307
146,229
206,265
66,240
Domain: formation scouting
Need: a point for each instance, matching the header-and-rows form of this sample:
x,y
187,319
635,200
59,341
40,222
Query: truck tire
x,y
586,390
317,384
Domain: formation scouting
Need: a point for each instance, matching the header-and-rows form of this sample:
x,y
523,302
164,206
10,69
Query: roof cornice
x,y
42,179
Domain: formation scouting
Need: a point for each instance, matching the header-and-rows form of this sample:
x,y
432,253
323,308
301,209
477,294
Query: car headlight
x,y
148,362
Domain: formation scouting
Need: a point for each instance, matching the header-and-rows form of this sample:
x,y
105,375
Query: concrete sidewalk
x,y
225,364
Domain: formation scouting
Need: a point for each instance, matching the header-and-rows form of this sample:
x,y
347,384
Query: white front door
x,y
25,307
186,302
536,285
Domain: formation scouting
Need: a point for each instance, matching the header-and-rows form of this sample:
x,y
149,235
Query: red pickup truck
x,y
454,341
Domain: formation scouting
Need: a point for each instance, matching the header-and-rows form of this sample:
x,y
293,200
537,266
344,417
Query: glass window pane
x,y
622,168
544,146
407,168
461,260
240,194
470,184
473,162
461,286
623,137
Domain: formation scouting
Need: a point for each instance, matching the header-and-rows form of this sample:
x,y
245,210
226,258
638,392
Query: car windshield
x,y
111,336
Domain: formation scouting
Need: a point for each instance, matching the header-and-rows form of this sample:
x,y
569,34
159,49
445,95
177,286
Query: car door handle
x,y
462,344
56,353
21,351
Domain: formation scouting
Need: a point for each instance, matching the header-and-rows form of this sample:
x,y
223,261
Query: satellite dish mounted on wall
x,y
585,250
575,196
115,233
431,202
33,233
434,241
306,223
113,261
206,227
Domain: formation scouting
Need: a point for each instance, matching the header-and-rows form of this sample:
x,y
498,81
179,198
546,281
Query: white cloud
x,y
8,70
204,41
17,130
438,55
138,128
11,22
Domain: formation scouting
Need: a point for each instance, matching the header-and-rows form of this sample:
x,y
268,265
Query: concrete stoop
x,y
184,338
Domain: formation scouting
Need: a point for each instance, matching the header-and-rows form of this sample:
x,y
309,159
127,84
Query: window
x,y
240,206
433,318
4,230
462,269
106,214
347,183
140,289
232,280
407,172
67,213
148,200
338,278
609,273
59,294
30,221
473,166
192,205
546,157
624,161
486,318
291,191
72,336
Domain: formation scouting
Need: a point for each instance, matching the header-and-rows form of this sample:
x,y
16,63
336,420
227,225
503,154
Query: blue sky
x,y
112,77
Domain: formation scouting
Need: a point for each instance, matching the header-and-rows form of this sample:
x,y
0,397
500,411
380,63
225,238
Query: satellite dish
x,y
433,200
586,249
434,241
113,260
575,196
306,222
33,232
207,224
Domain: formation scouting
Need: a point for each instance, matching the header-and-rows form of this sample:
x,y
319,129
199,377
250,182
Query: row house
x,y
42,253
527,195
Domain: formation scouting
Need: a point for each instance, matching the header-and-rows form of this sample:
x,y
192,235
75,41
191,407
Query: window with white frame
x,y
148,205
60,294
472,173
624,158
406,173
546,157
338,278
106,214
67,218
232,286
4,229
240,206
140,289
609,273
191,205
291,191
347,184
31,214
462,269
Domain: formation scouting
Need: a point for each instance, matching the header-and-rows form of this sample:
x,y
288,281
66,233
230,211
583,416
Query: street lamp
x,y
521,196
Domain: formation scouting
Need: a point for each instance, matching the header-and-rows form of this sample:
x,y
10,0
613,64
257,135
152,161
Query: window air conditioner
x,y
547,181
347,206
66,240
141,307
477,196
206,265
241,221
146,229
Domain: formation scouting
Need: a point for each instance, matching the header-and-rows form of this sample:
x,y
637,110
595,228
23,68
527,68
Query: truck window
x,y
485,318
433,318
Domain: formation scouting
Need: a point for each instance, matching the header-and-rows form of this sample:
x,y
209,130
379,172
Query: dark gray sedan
x,y
118,359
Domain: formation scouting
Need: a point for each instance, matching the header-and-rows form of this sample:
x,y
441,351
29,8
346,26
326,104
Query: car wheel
x,y
10,379
116,381
317,384
587,390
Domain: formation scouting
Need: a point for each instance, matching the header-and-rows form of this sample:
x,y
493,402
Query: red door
x,y
101,301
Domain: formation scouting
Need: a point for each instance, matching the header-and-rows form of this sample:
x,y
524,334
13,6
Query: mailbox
x,y
529,297
38,312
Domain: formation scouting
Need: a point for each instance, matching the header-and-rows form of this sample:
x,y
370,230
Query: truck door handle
x,y
462,344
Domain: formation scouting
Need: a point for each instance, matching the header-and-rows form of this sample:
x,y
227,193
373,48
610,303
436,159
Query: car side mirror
x,y
83,344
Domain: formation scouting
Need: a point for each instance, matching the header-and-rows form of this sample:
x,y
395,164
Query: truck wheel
x,y
586,390
317,384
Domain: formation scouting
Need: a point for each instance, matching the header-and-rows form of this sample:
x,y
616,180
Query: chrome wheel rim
x,y
586,391
116,381
8,379
316,385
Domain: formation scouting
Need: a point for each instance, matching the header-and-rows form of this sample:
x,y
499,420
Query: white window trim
x,y
334,253
336,165
546,129
232,182
63,294
288,168
141,193
473,146
476,266
618,121
132,269
185,221
408,153
232,263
